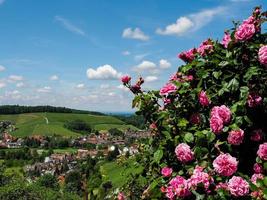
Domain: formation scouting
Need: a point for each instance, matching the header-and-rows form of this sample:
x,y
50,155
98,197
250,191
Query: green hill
x,y
53,123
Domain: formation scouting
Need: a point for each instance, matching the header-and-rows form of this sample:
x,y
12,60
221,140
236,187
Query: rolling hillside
x,y
52,123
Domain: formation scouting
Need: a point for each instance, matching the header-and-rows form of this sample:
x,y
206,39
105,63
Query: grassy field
x,y
119,174
53,123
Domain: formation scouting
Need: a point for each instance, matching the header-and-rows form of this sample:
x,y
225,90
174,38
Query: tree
x,y
73,182
49,181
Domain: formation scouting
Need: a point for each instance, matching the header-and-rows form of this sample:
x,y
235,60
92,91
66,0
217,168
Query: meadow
x,y
28,124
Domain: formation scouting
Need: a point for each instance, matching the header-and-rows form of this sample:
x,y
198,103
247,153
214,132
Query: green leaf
x,y
233,85
217,74
244,92
211,136
158,155
252,71
265,181
189,137
265,165
223,63
182,122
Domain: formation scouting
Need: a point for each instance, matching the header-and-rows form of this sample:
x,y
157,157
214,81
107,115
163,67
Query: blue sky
x,y
72,52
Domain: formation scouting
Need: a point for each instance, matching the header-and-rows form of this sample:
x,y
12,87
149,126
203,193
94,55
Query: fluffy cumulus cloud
x,y
145,65
136,34
54,78
80,86
191,22
2,68
14,78
105,72
164,64
45,89
151,78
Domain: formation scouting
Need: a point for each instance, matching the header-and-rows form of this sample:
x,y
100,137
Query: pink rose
x,y
121,196
184,153
226,39
205,47
258,169
179,187
199,177
167,89
257,135
203,98
262,152
216,124
223,112
254,100
255,177
125,79
238,186
235,137
244,32
225,164
263,55
166,171
188,56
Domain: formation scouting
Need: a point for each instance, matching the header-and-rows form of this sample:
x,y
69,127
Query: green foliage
x,y
79,126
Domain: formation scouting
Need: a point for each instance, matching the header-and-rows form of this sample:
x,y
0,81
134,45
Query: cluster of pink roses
x,y
220,115
180,187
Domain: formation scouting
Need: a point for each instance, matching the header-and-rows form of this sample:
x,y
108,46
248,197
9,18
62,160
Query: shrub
x,y
209,120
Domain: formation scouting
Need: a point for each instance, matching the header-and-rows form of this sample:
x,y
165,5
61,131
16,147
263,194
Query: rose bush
x,y
208,121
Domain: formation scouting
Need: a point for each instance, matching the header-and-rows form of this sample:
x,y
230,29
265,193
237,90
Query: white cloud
x,y
105,72
20,84
69,26
45,89
145,65
135,34
123,88
104,86
182,25
151,78
126,53
139,57
80,86
14,78
2,68
2,84
191,22
164,64
54,78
